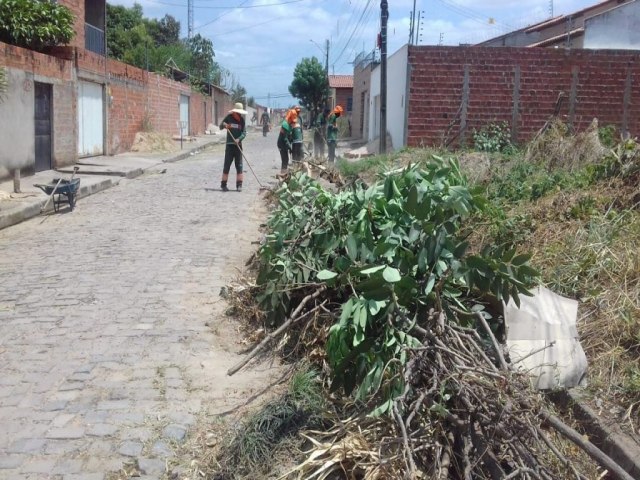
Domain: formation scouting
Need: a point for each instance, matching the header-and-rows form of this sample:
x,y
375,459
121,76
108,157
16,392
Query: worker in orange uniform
x,y
332,132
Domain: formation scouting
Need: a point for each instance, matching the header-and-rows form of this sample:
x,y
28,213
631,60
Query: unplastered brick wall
x,y
164,103
77,9
35,62
139,100
199,113
454,90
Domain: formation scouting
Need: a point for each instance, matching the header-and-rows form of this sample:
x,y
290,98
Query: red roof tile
x,y
341,81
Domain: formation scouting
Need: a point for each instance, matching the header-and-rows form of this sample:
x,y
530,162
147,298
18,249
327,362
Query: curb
x,y
613,442
34,208
186,154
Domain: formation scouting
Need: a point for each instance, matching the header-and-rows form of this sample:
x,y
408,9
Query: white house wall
x,y
618,28
16,122
397,65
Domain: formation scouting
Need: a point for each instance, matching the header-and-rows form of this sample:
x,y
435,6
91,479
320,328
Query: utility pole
x,y
190,19
384,16
441,38
412,28
326,61
551,8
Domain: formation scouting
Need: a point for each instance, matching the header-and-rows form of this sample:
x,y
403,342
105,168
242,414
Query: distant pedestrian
x,y
332,132
264,121
284,143
319,126
234,123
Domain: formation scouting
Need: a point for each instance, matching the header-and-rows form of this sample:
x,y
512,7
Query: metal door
x,y
184,113
90,119
42,120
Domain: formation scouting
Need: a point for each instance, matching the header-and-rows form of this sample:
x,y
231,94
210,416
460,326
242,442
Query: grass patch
x,y
581,221
263,443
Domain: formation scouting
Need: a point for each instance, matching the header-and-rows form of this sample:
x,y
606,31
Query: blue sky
x,y
260,41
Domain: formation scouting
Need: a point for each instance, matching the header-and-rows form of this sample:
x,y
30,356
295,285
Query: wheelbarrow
x,y
62,191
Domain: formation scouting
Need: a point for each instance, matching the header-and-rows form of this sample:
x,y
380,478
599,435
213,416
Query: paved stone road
x,y
104,351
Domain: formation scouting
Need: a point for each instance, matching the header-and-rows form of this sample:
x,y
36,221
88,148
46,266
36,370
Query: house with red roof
x,y
341,92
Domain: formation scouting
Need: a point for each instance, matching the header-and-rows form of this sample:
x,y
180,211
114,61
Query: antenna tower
x,y
190,19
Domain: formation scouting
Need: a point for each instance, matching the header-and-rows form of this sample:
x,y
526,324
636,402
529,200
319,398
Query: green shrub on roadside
x,y
32,24
387,253
495,137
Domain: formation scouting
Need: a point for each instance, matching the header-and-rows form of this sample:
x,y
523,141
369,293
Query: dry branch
x,y
295,317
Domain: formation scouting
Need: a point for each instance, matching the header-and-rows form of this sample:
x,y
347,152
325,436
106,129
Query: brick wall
x,y
77,8
36,63
137,98
134,98
342,98
454,90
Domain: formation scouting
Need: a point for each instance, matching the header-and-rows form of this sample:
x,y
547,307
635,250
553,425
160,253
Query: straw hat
x,y
238,109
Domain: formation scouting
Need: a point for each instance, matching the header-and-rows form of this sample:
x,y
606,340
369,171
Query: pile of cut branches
x,y
380,280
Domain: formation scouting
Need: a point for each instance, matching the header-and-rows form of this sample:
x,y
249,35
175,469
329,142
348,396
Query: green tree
x,y
120,23
165,31
238,93
201,57
310,85
35,25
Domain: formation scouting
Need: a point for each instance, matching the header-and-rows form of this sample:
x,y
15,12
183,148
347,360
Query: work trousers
x,y
232,154
318,144
284,157
297,154
332,150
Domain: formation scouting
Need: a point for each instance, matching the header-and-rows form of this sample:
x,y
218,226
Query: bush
x,y
495,137
35,25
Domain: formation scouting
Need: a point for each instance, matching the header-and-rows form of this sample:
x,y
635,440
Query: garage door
x,y
90,119
184,114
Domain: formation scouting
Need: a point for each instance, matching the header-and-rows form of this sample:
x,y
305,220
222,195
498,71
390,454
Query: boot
x,y
223,186
239,186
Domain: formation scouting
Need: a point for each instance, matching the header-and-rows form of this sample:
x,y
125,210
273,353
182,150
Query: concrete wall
x,y
454,90
397,67
618,28
554,27
16,122
17,111
361,92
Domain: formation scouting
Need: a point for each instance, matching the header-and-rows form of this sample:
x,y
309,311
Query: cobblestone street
x,y
112,337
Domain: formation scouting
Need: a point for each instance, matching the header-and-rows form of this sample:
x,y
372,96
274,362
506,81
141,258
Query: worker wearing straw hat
x,y
234,123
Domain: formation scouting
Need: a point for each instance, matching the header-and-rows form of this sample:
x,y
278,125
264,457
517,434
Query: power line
x,y
470,13
158,2
353,33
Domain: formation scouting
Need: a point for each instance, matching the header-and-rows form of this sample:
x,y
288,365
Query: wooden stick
x,y
589,448
293,318
50,196
496,346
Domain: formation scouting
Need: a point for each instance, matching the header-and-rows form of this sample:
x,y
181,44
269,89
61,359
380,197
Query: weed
x,y
608,135
495,137
250,451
